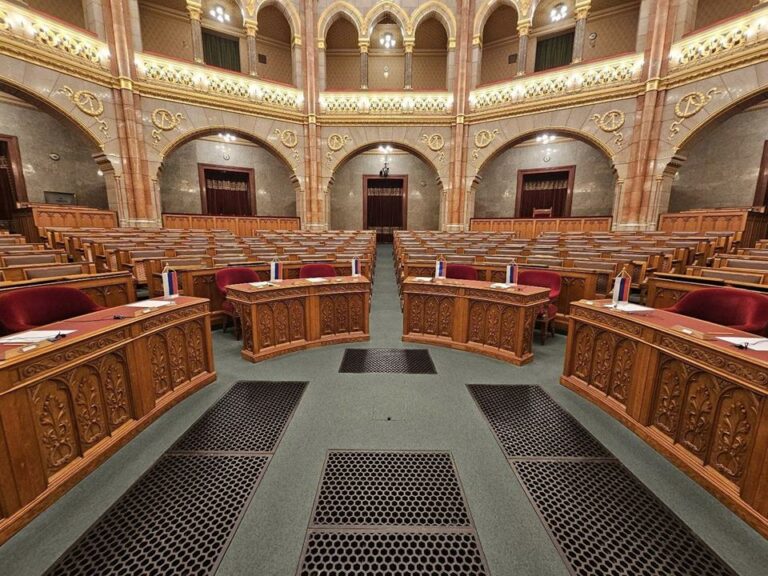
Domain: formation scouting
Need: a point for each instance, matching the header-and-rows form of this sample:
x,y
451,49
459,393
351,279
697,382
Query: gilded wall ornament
x,y
289,139
335,143
482,140
688,106
436,143
88,103
164,121
612,121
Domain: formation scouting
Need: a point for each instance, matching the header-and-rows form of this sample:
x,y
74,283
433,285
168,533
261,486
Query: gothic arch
x,y
286,7
378,11
486,9
333,12
440,12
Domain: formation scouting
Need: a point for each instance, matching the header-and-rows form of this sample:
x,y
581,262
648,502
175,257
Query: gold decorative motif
x,y
335,143
482,140
164,121
436,143
718,41
612,121
88,103
289,139
386,103
688,106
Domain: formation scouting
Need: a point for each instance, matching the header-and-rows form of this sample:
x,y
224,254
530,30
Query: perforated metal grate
x,y
177,519
606,522
250,417
393,360
388,553
390,489
529,424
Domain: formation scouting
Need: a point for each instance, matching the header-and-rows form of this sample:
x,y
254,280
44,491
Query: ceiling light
x,y
385,149
388,41
559,12
545,138
227,137
218,13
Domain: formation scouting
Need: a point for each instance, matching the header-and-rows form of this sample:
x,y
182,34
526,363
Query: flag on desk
x,y
170,283
440,267
275,270
355,266
622,286
512,273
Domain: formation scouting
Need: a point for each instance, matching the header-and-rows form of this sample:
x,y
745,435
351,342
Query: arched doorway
x,y
411,183
45,159
226,172
546,170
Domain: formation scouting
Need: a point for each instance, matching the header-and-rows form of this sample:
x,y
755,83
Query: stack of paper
x,y
629,307
757,344
32,336
150,304
261,284
317,279
422,279
501,285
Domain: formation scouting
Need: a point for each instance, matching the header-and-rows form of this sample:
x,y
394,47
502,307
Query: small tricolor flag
x,y
621,287
355,266
440,266
170,283
512,273
275,270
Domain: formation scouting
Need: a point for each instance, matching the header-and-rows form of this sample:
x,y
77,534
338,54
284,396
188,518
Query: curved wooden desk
x,y
293,315
472,316
68,406
701,403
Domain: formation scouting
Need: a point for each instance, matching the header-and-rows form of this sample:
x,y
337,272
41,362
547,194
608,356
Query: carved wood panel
x,y
493,324
341,314
430,315
159,364
281,322
584,346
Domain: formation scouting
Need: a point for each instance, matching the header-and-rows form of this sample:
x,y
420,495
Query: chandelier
x,y
388,40
558,12
218,13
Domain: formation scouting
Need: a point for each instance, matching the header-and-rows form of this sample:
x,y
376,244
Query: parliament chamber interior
x,y
384,287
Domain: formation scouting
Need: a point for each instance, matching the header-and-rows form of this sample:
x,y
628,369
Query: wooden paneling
x,y
67,407
109,290
701,403
35,218
298,314
240,225
531,228
472,316
749,225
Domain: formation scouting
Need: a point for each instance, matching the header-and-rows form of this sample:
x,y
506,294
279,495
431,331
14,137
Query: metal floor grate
x,y
367,553
250,417
390,489
393,360
176,519
606,522
529,424
180,516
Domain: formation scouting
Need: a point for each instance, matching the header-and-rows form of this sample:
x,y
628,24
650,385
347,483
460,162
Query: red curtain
x,y
544,194
384,209
227,197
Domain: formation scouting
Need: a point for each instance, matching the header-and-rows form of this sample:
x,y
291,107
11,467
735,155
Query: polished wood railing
x,y
533,227
241,225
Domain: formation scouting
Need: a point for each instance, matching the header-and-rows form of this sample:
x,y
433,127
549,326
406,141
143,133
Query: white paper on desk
x,y
317,279
501,285
758,344
422,279
149,304
629,307
32,336
261,284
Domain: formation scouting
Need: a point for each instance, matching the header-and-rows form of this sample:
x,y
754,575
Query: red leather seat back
x,y
460,272
29,308
542,278
236,275
317,271
739,309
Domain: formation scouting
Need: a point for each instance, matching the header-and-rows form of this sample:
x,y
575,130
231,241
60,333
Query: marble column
x,y
195,10
408,81
450,66
251,27
582,9
321,68
524,32
363,63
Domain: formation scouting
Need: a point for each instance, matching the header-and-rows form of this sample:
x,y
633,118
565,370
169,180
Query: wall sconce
x,y
386,71
218,13
593,39
559,12
388,41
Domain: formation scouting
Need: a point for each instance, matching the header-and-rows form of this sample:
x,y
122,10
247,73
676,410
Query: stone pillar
x,y
314,215
296,61
195,9
524,32
251,27
363,63
582,9
450,66
408,81
94,17
477,61
321,69
133,10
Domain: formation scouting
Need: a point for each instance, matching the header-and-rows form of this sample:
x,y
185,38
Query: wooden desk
x,y
298,314
472,316
701,403
67,407
109,289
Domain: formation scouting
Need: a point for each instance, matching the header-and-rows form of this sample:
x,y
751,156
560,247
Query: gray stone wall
x,y
593,188
41,135
723,164
274,195
423,190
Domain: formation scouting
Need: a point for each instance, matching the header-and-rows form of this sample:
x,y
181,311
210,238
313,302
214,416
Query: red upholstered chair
x,y
545,279
29,308
317,271
739,309
460,272
226,277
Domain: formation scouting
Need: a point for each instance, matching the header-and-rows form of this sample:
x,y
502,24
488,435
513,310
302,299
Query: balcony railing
x,y
720,41
197,79
386,103
24,29
562,82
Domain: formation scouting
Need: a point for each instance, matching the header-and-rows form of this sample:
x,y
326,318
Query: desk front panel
x,y
67,407
470,316
701,403
299,314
